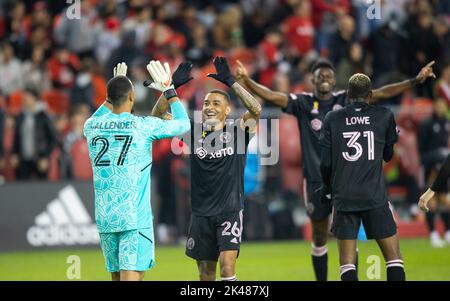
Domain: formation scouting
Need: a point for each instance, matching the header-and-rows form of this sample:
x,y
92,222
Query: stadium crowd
x,y
54,70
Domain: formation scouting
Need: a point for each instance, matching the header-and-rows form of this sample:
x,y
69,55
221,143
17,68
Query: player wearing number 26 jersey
x,y
354,142
120,149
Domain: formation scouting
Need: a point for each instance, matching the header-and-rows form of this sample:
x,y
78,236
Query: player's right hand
x,y
162,81
241,71
424,199
182,75
120,69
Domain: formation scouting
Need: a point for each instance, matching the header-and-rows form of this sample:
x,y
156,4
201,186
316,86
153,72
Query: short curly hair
x,y
359,86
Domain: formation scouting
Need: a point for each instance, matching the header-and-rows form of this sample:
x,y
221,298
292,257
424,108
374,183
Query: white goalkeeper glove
x,y
120,69
162,79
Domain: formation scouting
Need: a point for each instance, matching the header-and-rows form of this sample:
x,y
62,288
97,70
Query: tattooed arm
x,y
252,105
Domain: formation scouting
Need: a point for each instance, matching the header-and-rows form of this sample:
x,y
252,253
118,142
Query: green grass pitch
x,y
287,260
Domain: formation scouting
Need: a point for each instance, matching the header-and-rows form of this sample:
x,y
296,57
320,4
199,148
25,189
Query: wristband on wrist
x,y
170,93
413,82
230,81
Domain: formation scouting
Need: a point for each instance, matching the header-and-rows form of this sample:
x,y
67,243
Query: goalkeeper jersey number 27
x,y
120,149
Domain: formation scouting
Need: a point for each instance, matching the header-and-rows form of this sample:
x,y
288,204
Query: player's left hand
x,y
424,199
426,72
120,69
223,74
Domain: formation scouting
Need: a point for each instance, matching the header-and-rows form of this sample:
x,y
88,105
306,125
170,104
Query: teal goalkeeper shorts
x,y
132,250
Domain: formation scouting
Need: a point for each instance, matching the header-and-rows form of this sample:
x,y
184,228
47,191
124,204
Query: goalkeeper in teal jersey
x,y
120,149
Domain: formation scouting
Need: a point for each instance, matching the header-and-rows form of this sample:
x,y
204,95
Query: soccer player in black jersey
x,y
218,155
354,142
310,110
440,185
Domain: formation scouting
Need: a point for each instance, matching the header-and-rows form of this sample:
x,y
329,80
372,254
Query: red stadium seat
x,y
81,165
57,101
15,102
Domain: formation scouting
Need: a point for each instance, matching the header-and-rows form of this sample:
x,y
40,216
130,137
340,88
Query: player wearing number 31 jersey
x,y
354,141
120,149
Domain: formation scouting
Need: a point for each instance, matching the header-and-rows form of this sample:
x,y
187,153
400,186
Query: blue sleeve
x,y
180,124
102,110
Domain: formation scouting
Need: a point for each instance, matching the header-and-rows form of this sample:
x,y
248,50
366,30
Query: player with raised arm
x,y
120,149
218,156
354,142
440,185
310,110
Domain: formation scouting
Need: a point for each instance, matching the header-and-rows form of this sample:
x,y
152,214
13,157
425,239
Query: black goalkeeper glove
x,y
223,74
180,77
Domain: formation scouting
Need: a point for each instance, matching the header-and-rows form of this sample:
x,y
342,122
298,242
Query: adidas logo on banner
x,y
64,222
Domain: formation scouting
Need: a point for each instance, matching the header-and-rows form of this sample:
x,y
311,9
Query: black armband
x,y
168,94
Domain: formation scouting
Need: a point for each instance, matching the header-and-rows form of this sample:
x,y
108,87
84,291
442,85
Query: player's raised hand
x,y
223,74
162,81
180,77
424,199
426,72
241,71
120,69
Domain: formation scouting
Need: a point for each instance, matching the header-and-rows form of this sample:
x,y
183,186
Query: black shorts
x,y
210,235
378,223
315,208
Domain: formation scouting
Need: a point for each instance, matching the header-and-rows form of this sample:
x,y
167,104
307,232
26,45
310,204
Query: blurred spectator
x,y
352,62
15,28
341,41
325,15
442,31
200,52
108,39
384,63
141,24
227,31
299,30
269,56
79,34
207,16
423,44
254,26
82,91
443,7
127,52
77,118
34,139
35,75
10,70
443,84
62,67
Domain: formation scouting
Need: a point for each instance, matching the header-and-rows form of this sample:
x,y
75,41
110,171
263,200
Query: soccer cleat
x,y
436,241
